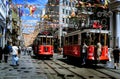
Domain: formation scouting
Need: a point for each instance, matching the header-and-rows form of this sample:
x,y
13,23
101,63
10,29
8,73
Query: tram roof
x,y
88,31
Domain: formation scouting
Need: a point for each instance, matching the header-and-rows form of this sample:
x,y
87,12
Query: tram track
x,y
77,71
54,69
111,74
114,70
67,68
62,71
102,73
48,71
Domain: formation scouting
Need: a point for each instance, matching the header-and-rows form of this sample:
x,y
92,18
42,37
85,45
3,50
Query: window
x,y
63,2
67,3
75,39
67,21
66,11
63,20
63,11
70,4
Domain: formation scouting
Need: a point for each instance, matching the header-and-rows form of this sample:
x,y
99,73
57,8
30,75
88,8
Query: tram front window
x,y
44,41
48,41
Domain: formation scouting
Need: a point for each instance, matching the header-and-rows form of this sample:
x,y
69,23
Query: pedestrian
x,y
99,50
84,53
116,53
6,53
60,50
29,50
1,53
109,54
19,51
14,55
25,50
7,50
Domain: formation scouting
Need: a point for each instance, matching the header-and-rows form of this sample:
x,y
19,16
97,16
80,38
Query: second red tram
x,y
44,46
73,44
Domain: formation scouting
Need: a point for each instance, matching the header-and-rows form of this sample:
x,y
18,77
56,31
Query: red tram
x,y
73,44
44,46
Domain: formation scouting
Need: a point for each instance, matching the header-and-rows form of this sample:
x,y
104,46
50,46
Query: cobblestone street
x,y
32,68
25,70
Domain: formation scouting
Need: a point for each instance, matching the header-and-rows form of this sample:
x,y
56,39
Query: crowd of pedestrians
x,y
13,50
10,49
114,53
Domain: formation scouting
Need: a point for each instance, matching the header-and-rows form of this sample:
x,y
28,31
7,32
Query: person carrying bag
x,y
15,58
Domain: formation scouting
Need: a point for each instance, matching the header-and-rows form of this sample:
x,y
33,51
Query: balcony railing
x,y
114,1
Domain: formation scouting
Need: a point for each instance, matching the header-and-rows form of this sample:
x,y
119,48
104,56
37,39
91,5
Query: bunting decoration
x,y
97,3
73,14
20,12
106,3
32,9
54,23
7,3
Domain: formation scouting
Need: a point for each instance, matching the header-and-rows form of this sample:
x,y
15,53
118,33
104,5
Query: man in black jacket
x,y
116,53
7,51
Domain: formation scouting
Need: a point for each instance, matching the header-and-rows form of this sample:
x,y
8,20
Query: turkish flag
x,y
97,25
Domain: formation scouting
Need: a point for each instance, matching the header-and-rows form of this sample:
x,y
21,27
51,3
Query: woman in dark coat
x,y
1,53
6,53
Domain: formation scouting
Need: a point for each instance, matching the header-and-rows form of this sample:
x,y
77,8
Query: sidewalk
x,y
27,69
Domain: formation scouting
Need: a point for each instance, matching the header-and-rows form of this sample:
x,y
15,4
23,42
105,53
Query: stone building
x,y
115,23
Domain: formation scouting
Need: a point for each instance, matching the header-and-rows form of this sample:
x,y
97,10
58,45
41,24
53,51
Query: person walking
x,y
116,53
99,50
84,53
109,54
19,51
7,50
14,55
6,53
1,53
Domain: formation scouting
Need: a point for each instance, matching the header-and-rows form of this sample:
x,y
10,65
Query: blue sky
x,y
26,19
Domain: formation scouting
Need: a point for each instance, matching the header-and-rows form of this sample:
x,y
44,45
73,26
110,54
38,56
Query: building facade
x,y
115,23
59,11
2,22
16,25
8,21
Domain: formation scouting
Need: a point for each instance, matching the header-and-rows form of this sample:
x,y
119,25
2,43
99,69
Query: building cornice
x,y
114,5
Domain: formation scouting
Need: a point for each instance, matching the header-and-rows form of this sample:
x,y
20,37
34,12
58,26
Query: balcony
x,y
114,5
114,1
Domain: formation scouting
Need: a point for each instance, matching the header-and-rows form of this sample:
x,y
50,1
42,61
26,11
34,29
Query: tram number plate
x,y
46,49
